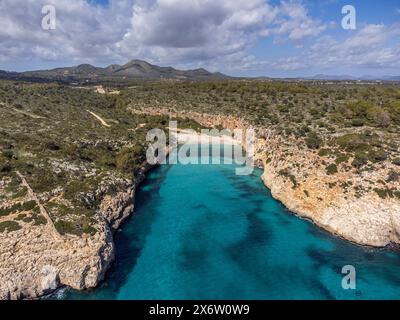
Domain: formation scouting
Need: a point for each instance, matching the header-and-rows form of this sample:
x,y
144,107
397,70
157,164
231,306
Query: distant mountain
x,y
393,78
352,78
133,70
332,77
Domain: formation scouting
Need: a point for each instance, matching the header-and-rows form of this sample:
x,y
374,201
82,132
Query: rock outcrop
x,y
369,220
34,262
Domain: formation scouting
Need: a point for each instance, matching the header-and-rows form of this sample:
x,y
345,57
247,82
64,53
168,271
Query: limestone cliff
x,y
36,260
33,262
331,201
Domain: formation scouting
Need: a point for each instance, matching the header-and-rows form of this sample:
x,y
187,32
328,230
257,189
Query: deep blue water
x,y
202,232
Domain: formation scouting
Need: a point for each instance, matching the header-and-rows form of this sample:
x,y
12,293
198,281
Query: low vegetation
x,y
65,153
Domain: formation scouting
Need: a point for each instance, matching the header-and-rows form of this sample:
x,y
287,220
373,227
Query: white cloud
x,y
370,47
295,23
183,31
83,31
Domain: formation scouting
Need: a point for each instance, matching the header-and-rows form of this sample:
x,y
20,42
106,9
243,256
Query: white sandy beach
x,y
191,137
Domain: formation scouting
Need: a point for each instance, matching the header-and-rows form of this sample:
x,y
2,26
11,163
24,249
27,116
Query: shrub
x,y
341,158
379,116
383,193
360,108
324,152
43,181
17,207
20,217
331,169
283,109
21,193
394,111
291,177
393,176
357,142
52,146
66,227
70,150
313,141
28,206
89,230
39,220
129,159
357,122
396,161
378,155
9,226
5,167
9,154
360,160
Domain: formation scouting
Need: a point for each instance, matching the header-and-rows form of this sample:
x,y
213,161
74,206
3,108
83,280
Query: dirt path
x,y
43,211
105,124
33,116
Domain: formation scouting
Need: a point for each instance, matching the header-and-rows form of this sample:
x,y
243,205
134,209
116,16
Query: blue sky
x,y
253,37
367,12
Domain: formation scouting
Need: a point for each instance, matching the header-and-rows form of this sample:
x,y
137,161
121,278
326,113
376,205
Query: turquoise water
x,y
202,232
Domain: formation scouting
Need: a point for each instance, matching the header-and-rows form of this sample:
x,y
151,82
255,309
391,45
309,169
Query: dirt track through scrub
x,y
105,124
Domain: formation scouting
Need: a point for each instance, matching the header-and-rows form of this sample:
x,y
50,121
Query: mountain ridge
x,y
351,78
133,70
140,70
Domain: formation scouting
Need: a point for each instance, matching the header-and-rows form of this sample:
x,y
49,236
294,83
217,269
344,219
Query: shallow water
x,y
202,232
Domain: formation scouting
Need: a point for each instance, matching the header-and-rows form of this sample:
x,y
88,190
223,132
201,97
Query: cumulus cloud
x,y
294,23
184,31
373,46
84,32
204,30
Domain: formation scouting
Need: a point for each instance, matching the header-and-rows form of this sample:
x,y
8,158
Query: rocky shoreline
x,y
311,193
34,263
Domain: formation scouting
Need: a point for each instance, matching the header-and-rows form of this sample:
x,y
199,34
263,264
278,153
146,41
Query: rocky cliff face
x,y
35,260
297,177
330,201
117,208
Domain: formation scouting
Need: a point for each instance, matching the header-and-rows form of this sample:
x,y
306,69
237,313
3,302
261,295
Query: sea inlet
x,y
203,232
